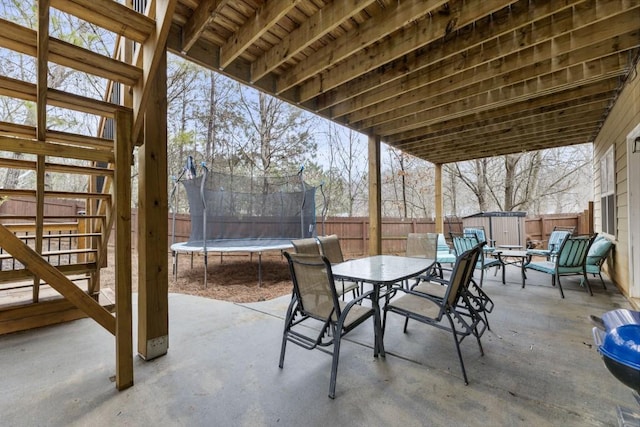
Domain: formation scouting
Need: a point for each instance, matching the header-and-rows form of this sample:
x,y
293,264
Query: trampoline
x,y
232,213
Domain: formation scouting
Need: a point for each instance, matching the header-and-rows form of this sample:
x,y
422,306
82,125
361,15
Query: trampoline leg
x,y
175,265
205,269
259,269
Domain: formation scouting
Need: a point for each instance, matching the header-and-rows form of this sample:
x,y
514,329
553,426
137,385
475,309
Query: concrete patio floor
x,y
539,368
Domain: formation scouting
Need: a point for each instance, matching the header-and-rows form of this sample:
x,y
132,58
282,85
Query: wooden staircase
x,y
65,291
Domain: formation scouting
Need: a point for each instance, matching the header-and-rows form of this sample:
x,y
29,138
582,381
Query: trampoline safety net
x,y
241,207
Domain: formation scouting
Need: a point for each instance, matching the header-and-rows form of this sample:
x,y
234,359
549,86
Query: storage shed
x,y
504,228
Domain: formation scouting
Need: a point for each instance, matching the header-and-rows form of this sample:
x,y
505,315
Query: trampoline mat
x,y
233,245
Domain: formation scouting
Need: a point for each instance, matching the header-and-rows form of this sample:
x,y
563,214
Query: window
x,y
607,193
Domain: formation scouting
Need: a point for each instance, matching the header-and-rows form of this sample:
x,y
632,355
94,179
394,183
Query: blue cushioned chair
x,y
570,260
465,242
444,254
598,253
478,231
553,245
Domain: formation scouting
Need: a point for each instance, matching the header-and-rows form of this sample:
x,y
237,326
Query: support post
x,y
153,228
375,197
439,200
122,195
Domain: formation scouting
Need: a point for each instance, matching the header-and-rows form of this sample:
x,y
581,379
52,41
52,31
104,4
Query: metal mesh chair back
x,y
306,246
424,245
313,285
331,248
462,273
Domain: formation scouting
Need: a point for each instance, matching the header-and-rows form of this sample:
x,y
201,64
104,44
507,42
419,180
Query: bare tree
x,y
347,171
278,136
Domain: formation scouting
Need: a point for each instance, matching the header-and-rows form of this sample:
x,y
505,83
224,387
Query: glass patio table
x,y
511,257
381,270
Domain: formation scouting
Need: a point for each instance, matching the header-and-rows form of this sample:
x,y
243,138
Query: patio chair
x,y
330,247
598,254
570,260
432,311
444,254
553,245
465,242
425,245
307,246
478,231
316,302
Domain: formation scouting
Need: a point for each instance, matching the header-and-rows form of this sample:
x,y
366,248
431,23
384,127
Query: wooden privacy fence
x,y
354,231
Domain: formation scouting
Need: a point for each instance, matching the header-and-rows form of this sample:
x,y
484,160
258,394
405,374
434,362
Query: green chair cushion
x,y
599,249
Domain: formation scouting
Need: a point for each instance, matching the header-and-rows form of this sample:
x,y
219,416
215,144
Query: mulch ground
x,y
234,278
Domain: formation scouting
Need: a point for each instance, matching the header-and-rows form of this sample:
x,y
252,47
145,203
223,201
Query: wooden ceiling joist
x,y
492,60
488,95
204,15
265,17
389,20
399,70
510,34
581,95
310,31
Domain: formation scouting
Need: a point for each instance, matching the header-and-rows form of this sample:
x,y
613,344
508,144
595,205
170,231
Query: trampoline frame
x,y
222,246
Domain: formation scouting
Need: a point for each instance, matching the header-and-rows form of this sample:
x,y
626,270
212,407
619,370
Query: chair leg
x,y
586,280
334,364
455,339
287,323
602,280
557,279
377,333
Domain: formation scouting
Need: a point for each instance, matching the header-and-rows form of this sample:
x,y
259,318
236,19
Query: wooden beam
x,y
23,40
38,266
29,132
153,209
11,192
439,203
321,23
42,57
151,50
28,91
110,15
375,197
122,197
201,18
265,17
21,145
392,18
